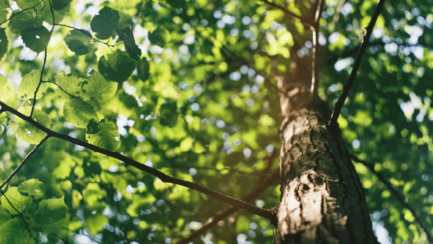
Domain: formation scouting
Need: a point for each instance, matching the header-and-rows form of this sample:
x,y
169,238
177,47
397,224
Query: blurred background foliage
x,y
202,105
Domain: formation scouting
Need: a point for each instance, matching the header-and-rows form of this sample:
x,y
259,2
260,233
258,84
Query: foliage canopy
x,y
188,88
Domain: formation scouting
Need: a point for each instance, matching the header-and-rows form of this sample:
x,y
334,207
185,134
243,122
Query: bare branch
x,y
397,195
45,61
315,67
23,162
128,161
260,187
346,89
302,20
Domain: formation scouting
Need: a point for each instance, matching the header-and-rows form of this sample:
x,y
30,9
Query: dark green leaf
x,y
143,69
124,21
168,114
79,41
105,23
25,4
9,230
51,214
24,21
32,187
47,15
36,38
177,3
105,137
60,4
118,67
161,36
4,43
129,41
4,216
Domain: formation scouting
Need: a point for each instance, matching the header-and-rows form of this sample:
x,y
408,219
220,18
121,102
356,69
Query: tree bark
x,y
322,199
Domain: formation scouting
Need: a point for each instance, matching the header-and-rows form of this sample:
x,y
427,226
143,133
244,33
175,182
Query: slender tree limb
x,y
346,89
45,62
302,20
20,12
21,215
397,195
128,161
139,15
23,162
258,189
315,61
94,39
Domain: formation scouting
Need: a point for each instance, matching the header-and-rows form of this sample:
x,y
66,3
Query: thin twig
x,y
139,15
20,12
397,195
21,215
339,105
45,62
302,20
23,162
94,39
162,176
258,189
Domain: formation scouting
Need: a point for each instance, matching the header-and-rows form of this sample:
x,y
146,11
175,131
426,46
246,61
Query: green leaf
x,y
36,38
25,4
60,4
118,67
47,15
70,85
32,187
104,135
124,21
97,88
168,114
3,14
143,69
78,112
4,43
9,232
18,201
26,20
129,41
79,41
105,23
27,87
177,3
4,216
160,36
95,223
6,88
50,215
28,132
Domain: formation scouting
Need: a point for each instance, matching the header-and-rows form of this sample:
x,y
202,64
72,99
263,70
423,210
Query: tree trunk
x,y
322,199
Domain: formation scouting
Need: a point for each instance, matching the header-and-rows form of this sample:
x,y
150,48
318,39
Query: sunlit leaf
x,y
15,201
32,187
8,232
28,132
26,20
78,112
51,214
95,223
99,89
4,216
4,43
26,4
6,88
69,86
28,85
103,134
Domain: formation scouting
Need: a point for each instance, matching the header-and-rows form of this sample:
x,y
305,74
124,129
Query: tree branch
x,y
260,187
346,89
20,12
128,161
23,162
302,20
45,62
139,15
315,67
397,195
